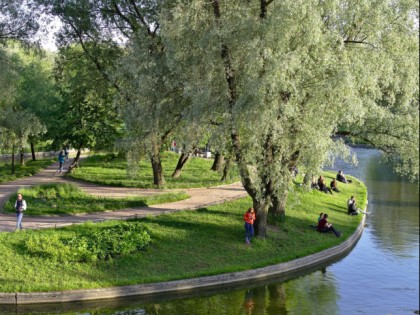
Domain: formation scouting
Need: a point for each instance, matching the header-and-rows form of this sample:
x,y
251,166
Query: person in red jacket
x,y
249,218
325,227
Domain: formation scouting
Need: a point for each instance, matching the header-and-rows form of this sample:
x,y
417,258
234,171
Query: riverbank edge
x,y
209,282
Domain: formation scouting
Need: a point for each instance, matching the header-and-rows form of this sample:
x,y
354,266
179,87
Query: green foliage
x,y
65,199
112,170
92,245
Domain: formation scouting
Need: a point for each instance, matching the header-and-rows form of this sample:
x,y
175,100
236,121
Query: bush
x,y
105,244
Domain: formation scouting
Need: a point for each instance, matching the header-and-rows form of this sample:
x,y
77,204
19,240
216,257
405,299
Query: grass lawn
x,y
185,244
30,168
111,170
62,199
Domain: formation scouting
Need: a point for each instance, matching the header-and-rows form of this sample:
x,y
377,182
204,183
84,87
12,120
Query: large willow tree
x,y
289,75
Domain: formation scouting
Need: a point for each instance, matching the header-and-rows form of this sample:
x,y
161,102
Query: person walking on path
x,y
249,218
20,206
325,227
61,158
66,154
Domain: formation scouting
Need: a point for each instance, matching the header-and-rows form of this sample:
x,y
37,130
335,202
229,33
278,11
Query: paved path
x,y
199,197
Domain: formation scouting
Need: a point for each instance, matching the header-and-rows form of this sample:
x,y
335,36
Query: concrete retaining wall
x,y
283,269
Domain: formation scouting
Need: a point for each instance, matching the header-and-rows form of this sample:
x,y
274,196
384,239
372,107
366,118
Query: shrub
x,y
105,244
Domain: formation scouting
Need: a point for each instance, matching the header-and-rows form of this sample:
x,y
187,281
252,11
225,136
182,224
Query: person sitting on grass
x,y
341,178
322,186
352,208
325,227
314,184
321,215
333,185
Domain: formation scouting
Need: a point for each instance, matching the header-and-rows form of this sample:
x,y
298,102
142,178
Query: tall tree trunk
x,y
226,169
277,211
33,151
75,162
183,159
13,159
218,162
260,224
22,157
158,178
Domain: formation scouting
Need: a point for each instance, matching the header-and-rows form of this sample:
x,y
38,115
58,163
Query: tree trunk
x,y
277,211
307,180
75,162
22,157
33,151
158,178
183,159
260,224
13,159
218,162
226,169
77,158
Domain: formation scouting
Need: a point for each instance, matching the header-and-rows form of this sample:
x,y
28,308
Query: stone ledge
x,y
282,269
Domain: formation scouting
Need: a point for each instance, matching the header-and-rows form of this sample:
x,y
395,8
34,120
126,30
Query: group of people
x,y
323,225
322,186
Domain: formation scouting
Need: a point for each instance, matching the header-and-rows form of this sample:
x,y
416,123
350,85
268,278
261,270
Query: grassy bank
x,y
185,244
30,168
112,170
62,199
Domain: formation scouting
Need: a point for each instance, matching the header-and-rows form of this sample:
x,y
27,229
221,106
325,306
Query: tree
x,y
16,128
149,96
87,116
288,74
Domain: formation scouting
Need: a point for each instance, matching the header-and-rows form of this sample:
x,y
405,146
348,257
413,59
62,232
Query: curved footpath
x,y
200,197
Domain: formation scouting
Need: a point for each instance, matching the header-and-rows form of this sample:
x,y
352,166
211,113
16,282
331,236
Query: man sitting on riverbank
x,y
352,208
325,227
341,178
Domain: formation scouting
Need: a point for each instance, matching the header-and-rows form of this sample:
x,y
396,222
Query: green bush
x,y
104,244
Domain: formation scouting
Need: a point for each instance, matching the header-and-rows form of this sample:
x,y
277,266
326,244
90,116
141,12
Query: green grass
x,y
112,170
185,244
30,168
62,199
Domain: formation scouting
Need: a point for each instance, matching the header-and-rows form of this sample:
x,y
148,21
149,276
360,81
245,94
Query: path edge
x,y
228,279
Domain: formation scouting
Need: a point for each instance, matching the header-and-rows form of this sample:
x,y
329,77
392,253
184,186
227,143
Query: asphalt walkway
x,y
199,198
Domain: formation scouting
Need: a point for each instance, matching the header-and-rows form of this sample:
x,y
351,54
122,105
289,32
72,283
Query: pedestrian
x,y
61,157
66,153
249,218
20,206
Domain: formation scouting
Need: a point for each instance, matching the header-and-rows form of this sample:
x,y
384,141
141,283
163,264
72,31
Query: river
x,y
379,276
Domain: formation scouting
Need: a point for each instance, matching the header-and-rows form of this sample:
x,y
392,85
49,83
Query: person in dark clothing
x,y
322,186
325,227
351,206
341,178
333,185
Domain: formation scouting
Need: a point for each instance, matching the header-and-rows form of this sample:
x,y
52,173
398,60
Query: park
x,y
141,140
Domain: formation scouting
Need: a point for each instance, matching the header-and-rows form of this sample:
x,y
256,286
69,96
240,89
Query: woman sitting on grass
x,y
322,186
333,185
325,227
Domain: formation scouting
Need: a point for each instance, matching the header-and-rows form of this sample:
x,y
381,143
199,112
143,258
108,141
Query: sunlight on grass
x,y
112,170
185,244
